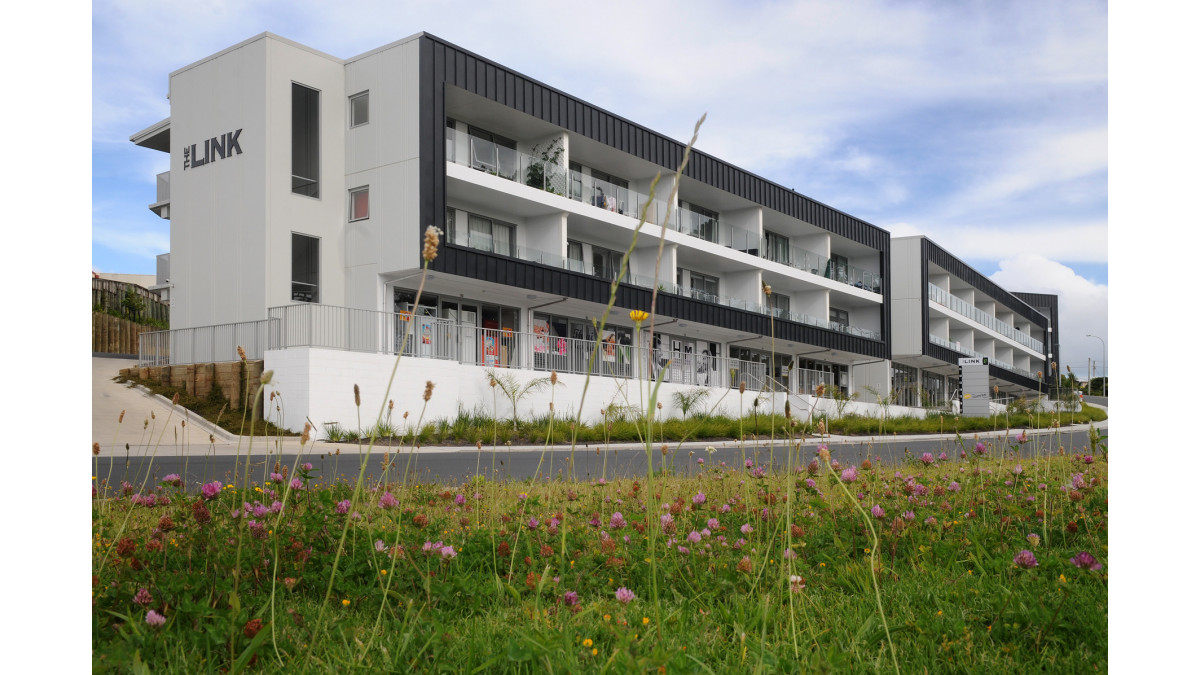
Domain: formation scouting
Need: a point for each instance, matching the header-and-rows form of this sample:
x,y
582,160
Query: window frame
x,y
355,191
840,312
316,286
312,188
353,99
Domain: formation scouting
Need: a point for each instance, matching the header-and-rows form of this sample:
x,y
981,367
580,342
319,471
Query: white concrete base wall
x,y
317,385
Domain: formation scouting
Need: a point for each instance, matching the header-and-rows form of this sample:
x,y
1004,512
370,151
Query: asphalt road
x,y
453,465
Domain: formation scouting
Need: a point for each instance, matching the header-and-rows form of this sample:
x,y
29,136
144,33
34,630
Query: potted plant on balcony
x,y
538,175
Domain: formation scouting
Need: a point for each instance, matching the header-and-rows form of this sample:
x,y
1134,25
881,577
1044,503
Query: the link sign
x,y
973,399
217,147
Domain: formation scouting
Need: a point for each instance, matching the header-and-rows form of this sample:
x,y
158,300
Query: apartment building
x,y
301,184
944,310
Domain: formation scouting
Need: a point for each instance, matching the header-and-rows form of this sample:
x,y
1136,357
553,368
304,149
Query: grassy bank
x,y
468,428
215,408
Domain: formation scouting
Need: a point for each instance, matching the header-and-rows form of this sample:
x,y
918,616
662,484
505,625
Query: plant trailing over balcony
x,y
538,175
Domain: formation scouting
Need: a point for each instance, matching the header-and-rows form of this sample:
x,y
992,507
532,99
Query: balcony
x,y
713,230
991,361
162,204
823,266
615,198
497,160
966,309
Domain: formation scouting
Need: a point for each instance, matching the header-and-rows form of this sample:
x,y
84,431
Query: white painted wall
x,y
745,285
385,154
318,384
218,242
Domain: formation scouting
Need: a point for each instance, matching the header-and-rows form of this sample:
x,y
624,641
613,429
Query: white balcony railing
x,y
963,308
497,160
516,166
554,260
991,360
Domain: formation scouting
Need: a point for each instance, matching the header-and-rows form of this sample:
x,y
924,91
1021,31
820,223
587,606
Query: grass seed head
x,y
121,417
432,236
428,390
241,353
357,397
96,448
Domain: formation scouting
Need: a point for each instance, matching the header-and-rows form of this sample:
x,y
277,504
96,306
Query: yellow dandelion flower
x,y
645,620
939,612
383,572
587,642
608,617
595,651
345,602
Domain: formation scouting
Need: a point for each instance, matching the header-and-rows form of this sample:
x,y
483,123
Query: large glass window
x,y
606,263
360,109
360,199
839,316
904,386
699,221
705,287
933,388
493,153
778,248
838,268
306,141
575,255
781,303
486,234
306,268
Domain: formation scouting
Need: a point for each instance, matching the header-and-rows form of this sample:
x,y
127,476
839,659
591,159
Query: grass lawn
x,y
990,563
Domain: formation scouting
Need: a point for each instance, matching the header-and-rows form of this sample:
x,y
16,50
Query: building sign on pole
x,y
973,396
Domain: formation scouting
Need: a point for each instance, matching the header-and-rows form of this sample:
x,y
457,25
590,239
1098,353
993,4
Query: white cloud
x,y
1082,305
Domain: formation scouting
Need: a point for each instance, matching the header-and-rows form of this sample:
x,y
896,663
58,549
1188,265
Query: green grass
x,y
467,428
952,596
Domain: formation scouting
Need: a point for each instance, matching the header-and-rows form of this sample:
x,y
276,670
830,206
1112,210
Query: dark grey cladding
x,y
495,268
442,64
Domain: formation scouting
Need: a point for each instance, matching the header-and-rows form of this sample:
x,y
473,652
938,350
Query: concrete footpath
x,y
152,425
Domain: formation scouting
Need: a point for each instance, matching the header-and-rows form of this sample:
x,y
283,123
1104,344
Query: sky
x,y
981,125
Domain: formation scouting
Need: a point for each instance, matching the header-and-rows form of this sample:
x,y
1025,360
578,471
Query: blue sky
x,y
982,125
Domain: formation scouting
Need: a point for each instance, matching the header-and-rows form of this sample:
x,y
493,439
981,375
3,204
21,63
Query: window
x,y
705,287
778,248
575,256
486,234
839,268
306,141
904,385
493,153
360,203
360,109
606,263
699,221
306,266
840,317
781,303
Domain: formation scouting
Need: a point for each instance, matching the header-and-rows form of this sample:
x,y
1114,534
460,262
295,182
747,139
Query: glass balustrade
x,y
964,308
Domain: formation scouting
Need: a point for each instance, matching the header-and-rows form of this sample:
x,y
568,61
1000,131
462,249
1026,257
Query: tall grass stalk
x,y
430,252
129,512
874,554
